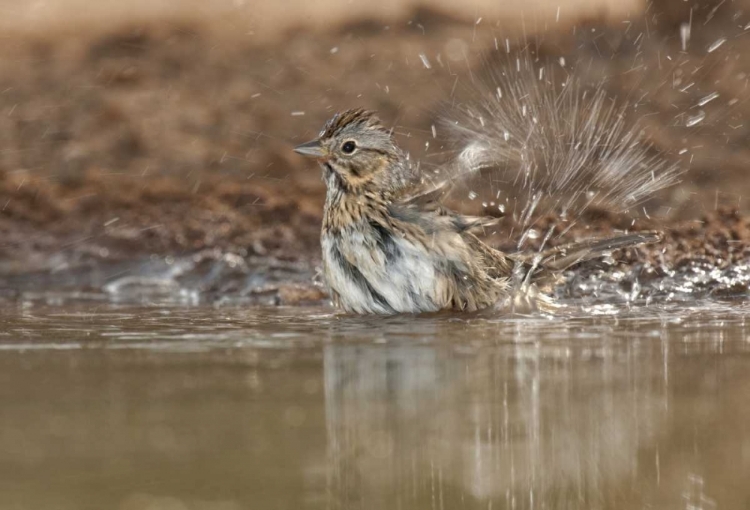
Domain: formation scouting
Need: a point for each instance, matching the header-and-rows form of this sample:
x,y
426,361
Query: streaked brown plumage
x,y
389,246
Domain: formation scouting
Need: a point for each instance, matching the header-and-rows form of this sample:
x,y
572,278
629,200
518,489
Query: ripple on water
x,y
82,326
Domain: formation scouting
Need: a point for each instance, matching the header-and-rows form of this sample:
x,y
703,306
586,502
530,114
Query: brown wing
x,y
496,263
428,199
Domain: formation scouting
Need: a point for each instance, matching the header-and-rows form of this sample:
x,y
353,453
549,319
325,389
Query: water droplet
x,y
696,119
684,35
708,98
717,44
425,61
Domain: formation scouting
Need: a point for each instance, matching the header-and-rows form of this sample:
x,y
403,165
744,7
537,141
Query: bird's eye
x,y
348,147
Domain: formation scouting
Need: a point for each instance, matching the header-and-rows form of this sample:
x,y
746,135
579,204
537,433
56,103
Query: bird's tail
x,y
562,257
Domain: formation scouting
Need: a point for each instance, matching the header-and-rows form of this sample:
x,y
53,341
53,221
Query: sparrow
x,y
390,246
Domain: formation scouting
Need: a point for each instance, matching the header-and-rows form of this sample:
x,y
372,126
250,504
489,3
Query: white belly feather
x,y
367,281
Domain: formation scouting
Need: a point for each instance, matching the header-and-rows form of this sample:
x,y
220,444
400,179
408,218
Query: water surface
x,y
174,407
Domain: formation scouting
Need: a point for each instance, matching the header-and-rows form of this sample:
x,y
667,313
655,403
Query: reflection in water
x,y
516,426
200,408
522,425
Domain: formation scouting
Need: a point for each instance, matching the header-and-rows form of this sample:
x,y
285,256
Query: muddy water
x,y
123,407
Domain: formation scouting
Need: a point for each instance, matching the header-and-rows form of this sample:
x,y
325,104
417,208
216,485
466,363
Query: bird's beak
x,y
313,149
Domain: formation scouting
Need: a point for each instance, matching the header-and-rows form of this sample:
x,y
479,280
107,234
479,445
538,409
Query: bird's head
x,y
357,153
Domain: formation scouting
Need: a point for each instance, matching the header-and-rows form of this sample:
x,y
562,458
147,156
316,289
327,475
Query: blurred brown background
x,y
162,127
265,21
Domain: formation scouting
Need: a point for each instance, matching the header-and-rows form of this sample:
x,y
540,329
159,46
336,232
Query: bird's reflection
x,y
429,427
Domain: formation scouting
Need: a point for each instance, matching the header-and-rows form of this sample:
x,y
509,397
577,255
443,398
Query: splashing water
x,y
716,44
572,145
696,119
684,35
707,99
557,145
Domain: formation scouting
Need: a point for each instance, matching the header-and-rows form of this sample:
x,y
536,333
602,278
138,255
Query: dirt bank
x,y
167,139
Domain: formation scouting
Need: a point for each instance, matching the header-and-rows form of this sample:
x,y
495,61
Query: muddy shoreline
x,y
163,142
